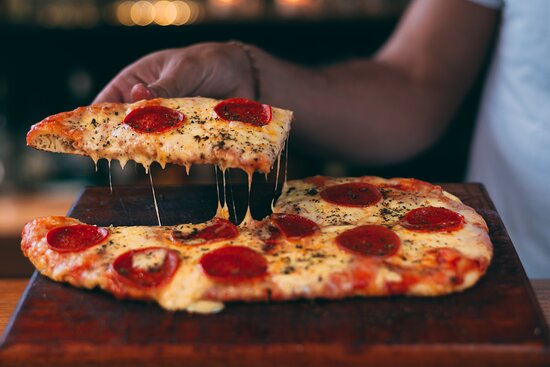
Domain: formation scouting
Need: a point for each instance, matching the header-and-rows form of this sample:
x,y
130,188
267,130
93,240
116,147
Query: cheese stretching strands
x,y
233,133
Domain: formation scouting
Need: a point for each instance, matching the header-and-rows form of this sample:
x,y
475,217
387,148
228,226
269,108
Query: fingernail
x,y
140,91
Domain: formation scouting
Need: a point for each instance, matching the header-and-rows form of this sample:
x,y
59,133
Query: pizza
x,y
326,238
233,133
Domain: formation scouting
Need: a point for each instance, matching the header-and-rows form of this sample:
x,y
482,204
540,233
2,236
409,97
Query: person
x,y
388,108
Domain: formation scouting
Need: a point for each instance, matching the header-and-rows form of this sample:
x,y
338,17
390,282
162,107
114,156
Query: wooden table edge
x,y
277,354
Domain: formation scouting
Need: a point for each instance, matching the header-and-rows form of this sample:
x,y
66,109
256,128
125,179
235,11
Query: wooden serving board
x,y
498,322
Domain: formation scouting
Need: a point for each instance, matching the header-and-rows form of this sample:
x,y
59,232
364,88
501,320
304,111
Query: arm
x,y
377,110
395,105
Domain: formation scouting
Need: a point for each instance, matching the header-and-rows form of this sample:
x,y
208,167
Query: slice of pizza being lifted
x,y
234,133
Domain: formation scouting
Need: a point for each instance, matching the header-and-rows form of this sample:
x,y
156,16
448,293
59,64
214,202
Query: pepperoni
x,y
432,219
356,194
153,274
154,119
370,240
244,110
75,238
294,226
220,230
234,264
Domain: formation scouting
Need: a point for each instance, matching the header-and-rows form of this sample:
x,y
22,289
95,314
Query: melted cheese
x,y
155,198
149,260
205,307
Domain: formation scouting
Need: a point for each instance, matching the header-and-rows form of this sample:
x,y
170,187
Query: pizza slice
x,y
233,133
428,244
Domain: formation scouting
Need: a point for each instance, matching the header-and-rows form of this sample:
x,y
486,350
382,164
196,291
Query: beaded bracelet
x,y
255,72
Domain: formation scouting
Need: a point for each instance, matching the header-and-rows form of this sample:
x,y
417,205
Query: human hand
x,y
217,70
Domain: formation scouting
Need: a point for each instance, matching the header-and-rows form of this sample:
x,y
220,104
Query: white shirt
x,y
511,148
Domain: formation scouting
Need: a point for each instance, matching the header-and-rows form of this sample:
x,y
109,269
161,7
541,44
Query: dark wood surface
x,y
498,322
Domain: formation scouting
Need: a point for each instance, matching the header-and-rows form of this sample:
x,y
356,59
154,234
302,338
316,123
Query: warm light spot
x,y
123,9
197,12
161,12
224,8
183,13
224,4
142,13
166,12
295,3
292,8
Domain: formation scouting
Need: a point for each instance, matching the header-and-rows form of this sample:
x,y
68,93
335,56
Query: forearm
x,y
367,111
396,104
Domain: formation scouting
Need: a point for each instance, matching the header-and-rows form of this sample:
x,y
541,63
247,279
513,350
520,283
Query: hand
x,y
217,70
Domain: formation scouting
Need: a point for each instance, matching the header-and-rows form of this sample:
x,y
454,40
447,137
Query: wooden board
x,y
498,322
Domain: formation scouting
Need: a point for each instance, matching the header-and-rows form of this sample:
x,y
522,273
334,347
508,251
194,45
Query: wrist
x,y
253,67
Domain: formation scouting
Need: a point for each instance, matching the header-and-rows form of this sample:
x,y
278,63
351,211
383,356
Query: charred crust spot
x,y
267,246
312,192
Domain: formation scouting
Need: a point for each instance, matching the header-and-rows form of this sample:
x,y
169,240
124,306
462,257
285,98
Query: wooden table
x,y
12,289
495,322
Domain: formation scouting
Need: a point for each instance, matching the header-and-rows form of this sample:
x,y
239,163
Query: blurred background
x,y
58,54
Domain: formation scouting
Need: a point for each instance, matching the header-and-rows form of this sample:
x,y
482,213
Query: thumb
x,y
162,88
141,91
179,79
154,90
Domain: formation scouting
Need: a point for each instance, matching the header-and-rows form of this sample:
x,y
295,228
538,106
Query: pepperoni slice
x,y
220,230
432,219
234,264
370,240
147,267
244,110
154,119
75,238
294,226
356,194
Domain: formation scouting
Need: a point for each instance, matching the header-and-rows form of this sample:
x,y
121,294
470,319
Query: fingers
x,y
143,71
155,75
141,91
208,70
109,94
181,77
118,90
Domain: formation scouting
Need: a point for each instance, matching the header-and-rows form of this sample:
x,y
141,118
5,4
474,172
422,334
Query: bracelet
x,y
254,71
